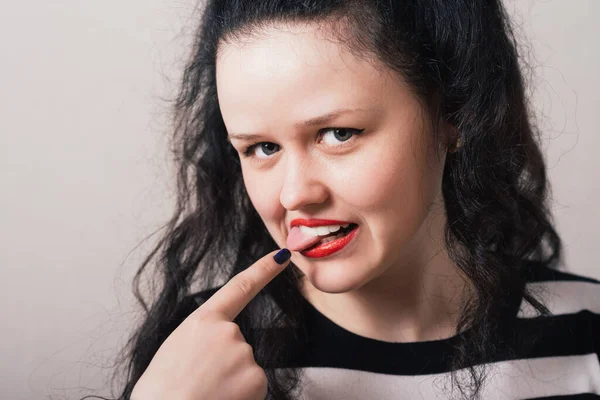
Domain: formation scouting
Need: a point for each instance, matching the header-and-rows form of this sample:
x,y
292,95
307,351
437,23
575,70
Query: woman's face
x,y
380,172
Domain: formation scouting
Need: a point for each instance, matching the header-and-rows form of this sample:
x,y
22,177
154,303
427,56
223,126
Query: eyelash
x,y
356,132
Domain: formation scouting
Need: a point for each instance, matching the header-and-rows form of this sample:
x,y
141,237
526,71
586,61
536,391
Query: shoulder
x,y
571,333
563,292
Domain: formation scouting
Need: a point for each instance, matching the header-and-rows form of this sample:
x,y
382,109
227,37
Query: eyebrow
x,y
319,120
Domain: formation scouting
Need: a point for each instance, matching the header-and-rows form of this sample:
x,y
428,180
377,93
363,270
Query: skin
x,y
394,282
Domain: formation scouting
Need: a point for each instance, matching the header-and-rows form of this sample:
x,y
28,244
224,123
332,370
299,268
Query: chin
x,y
332,279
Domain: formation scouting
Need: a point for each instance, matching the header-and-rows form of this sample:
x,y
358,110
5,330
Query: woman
x,y
389,146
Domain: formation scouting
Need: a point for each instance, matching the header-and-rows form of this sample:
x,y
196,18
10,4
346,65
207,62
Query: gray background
x,y
85,174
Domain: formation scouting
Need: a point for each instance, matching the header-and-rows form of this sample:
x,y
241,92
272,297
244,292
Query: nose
x,y
301,184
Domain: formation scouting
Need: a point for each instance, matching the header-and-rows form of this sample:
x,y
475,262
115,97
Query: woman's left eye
x,y
339,135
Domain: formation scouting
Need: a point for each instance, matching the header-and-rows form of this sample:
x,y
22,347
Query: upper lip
x,y
311,223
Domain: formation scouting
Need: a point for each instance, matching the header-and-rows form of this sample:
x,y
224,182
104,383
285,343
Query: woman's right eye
x,y
266,147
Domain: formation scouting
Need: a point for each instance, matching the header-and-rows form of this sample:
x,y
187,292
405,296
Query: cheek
x,y
378,177
392,188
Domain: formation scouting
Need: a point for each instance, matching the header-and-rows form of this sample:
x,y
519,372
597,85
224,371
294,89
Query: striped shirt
x,y
563,364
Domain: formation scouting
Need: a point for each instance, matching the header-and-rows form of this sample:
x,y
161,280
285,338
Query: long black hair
x,y
463,54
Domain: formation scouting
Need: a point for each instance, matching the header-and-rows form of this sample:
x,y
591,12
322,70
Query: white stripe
x,y
507,380
564,297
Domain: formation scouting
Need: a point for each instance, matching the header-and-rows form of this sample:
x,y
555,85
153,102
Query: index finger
x,y
231,299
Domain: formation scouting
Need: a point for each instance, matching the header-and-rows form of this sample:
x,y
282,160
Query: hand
x,y
206,356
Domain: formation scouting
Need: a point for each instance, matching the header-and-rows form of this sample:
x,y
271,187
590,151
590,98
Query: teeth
x,y
321,230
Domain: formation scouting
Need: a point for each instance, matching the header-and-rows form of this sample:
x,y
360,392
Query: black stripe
x,y
537,272
579,396
329,345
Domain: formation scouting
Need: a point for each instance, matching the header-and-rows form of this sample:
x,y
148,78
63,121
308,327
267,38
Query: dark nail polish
x,y
282,256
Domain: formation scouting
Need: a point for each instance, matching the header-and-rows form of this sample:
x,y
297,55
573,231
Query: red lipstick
x,y
325,249
311,223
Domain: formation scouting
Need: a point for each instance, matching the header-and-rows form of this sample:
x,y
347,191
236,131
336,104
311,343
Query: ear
x,y
450,141
453,138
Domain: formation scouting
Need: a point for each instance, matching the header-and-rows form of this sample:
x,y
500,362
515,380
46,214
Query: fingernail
x,y
282,256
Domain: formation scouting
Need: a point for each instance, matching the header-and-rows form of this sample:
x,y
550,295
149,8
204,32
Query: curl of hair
x,y
461,53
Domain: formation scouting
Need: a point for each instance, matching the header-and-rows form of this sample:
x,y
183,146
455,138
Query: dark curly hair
x,y
463,54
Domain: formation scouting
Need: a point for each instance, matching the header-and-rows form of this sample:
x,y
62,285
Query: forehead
x,y
291,74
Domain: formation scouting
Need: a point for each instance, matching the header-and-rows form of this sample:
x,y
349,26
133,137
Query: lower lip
x,y
329,248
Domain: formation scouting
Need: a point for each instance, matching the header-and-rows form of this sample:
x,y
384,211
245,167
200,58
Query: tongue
x,y
298,241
